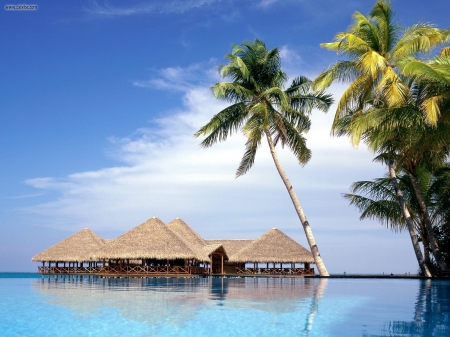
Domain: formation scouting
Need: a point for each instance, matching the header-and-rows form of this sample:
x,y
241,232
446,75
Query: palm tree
x,y
379,201
403,138
372,126
376,199
376,50
436,74
262,108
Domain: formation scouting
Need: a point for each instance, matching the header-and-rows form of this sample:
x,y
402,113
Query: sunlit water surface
x,y
223,307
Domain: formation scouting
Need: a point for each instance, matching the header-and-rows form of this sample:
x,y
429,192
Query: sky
x,y
99,103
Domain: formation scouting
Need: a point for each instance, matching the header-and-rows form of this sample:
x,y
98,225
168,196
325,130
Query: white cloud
x,y
145,7
164,172
182,79
267,3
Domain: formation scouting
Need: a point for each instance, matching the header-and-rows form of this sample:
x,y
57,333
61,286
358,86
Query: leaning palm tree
x,y
263,108
376,50
381,129
377,200
404,139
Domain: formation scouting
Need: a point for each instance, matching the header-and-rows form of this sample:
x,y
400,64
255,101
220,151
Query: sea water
x,y
93,306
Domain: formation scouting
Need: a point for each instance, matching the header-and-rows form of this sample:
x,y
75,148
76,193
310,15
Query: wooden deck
x,y
176,271
125,270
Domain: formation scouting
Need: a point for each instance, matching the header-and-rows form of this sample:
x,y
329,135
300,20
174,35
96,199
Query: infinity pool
x,y
212,307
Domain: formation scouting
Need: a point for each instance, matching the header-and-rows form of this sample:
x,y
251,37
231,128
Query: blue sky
x,y
99,103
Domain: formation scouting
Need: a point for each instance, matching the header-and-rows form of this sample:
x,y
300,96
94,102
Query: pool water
x,y
74,306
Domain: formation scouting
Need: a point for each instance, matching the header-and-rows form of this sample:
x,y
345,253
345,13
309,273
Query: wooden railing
x,y
68,270
177,270
275,271
125,270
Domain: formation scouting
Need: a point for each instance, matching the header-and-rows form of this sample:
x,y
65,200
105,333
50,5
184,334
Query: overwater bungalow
x,y
72,255
156,249
276,248
150,248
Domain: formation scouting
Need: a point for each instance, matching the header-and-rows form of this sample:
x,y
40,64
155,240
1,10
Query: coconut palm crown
x,y
376,49
262,107
260,103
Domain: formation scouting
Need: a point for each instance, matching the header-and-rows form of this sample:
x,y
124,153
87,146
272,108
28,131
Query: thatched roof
x,y
193,240
273,246
150,240
209,249
231,246
76,248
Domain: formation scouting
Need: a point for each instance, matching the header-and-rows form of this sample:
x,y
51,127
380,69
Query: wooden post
x,y
167,266
222,264
210,266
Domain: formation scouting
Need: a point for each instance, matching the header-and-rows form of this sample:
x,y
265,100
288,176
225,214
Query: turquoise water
x,y
222,307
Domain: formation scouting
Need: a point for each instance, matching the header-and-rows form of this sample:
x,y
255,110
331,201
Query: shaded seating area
x,y
151,248
72,255
273,248
156,249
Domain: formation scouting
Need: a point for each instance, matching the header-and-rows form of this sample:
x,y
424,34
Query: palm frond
x,y
251,147
223,124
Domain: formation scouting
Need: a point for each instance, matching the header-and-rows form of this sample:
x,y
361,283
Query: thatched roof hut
x,y
232,247
273,246
194,241
150,240
76,248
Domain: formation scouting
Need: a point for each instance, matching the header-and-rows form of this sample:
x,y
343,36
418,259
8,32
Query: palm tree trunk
x,y
409,222
306,227
426,250
428,225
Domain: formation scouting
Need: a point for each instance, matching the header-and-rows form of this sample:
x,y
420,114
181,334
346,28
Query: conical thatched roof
x,y
192,239
150,240
76,248
273,246
232,247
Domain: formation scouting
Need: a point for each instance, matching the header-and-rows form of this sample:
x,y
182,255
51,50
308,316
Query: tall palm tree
x,y
262,108
372,128
402,136
376,49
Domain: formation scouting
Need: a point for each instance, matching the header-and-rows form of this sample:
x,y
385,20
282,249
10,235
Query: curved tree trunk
x,y
409,222
298,208
428,225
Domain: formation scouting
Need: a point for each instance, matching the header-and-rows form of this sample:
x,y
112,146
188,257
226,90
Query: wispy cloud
x,y
181,79
267,3
145,7
164,172
26,196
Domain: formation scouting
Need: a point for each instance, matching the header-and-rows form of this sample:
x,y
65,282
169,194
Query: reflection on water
x,y
176,301
224,307
431,313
